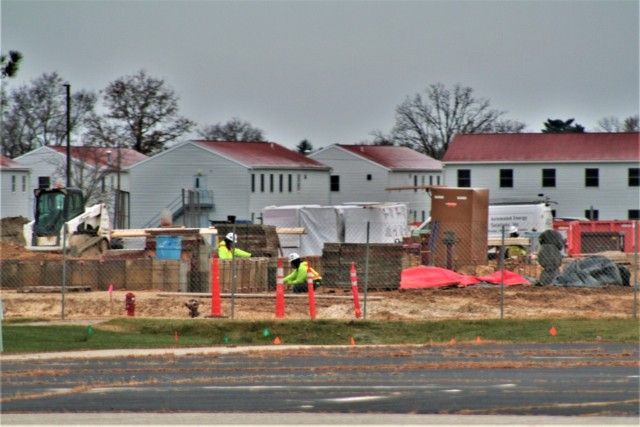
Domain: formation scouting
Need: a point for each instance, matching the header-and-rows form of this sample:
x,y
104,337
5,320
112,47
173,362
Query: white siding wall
x,y
354,186
159,180
43,162
613,198
418,201
16,193
353,172
313,189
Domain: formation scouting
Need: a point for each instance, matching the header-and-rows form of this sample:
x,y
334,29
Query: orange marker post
x,y
280,291
216,309
310,290
354,290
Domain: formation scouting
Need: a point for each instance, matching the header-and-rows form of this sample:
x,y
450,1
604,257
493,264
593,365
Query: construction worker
x,y
298,277
227,249
515,251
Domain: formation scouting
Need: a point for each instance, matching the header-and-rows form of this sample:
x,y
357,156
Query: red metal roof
x,y
6,162
99,156
394,157
543,147
262,154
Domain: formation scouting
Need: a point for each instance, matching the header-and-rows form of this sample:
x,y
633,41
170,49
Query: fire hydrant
x,y
130,304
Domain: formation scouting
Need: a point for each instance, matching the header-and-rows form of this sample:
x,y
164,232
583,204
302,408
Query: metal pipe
x,y
68,88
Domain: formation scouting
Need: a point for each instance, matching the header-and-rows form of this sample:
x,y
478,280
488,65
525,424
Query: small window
x,y
506,178
281,183
464,178
290,184
24,184
430,179
44,182
591,178
262,183
298,183
103,185
634,214
335,183
634,177
415,183
271,183
13,183
438,180
253,183
591,214
369,177
548,177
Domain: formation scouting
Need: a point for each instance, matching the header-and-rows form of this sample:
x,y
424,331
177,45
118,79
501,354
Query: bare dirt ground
x,y
478,302
437,304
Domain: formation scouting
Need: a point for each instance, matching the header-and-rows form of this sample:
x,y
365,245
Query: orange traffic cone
x,y
553,331
353,342
277,341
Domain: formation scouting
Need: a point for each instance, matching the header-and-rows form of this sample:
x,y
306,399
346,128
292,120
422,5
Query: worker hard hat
x,y
293,256
231,237
513,229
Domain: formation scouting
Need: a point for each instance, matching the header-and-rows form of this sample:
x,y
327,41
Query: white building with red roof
x,y
583,174
361,173
223,179
101,172
15,185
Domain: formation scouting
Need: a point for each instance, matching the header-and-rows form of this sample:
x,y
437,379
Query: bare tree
x,y
233,130
142,114
428,123
613,124
34,115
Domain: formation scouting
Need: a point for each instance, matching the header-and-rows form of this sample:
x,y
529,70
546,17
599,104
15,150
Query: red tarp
x,y
424,277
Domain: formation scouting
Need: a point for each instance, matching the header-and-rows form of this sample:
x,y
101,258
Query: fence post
x,y
280,291
354,290
311,292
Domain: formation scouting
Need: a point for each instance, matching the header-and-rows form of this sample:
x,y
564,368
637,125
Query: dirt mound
x,y
11,229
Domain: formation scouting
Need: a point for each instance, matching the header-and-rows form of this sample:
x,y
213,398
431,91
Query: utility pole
x,y
68,87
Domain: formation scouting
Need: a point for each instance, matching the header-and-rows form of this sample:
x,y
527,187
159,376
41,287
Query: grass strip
x,y
123,333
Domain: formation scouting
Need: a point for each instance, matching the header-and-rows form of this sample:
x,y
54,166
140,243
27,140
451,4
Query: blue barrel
x,y
168,247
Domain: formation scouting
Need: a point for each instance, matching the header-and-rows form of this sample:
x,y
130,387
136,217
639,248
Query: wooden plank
x,y
518,241
293,230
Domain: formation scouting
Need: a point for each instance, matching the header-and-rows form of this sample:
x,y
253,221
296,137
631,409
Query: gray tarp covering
x,y
593,272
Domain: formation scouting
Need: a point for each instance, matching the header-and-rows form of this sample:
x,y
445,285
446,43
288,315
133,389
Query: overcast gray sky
x,y
332,71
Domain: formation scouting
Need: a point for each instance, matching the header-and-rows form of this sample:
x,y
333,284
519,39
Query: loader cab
x,y
54,207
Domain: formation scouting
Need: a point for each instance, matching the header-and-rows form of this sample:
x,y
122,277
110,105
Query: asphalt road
x,y
591,381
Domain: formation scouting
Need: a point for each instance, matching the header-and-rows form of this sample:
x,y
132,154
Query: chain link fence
x,y
576,254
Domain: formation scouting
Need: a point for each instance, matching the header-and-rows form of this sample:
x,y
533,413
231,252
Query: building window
x,y
335,183
591,214
290,183
634,177
13,183
591,177
262,183
369,177
634,214
298,183
103,185
253,183
548,177
44,182
271,183
438,180
464,178
430,179
506,178
281,183
24,184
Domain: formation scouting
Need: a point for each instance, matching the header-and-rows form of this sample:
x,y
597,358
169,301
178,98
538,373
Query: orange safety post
x,y
354,290
310,290
216,310
280,291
